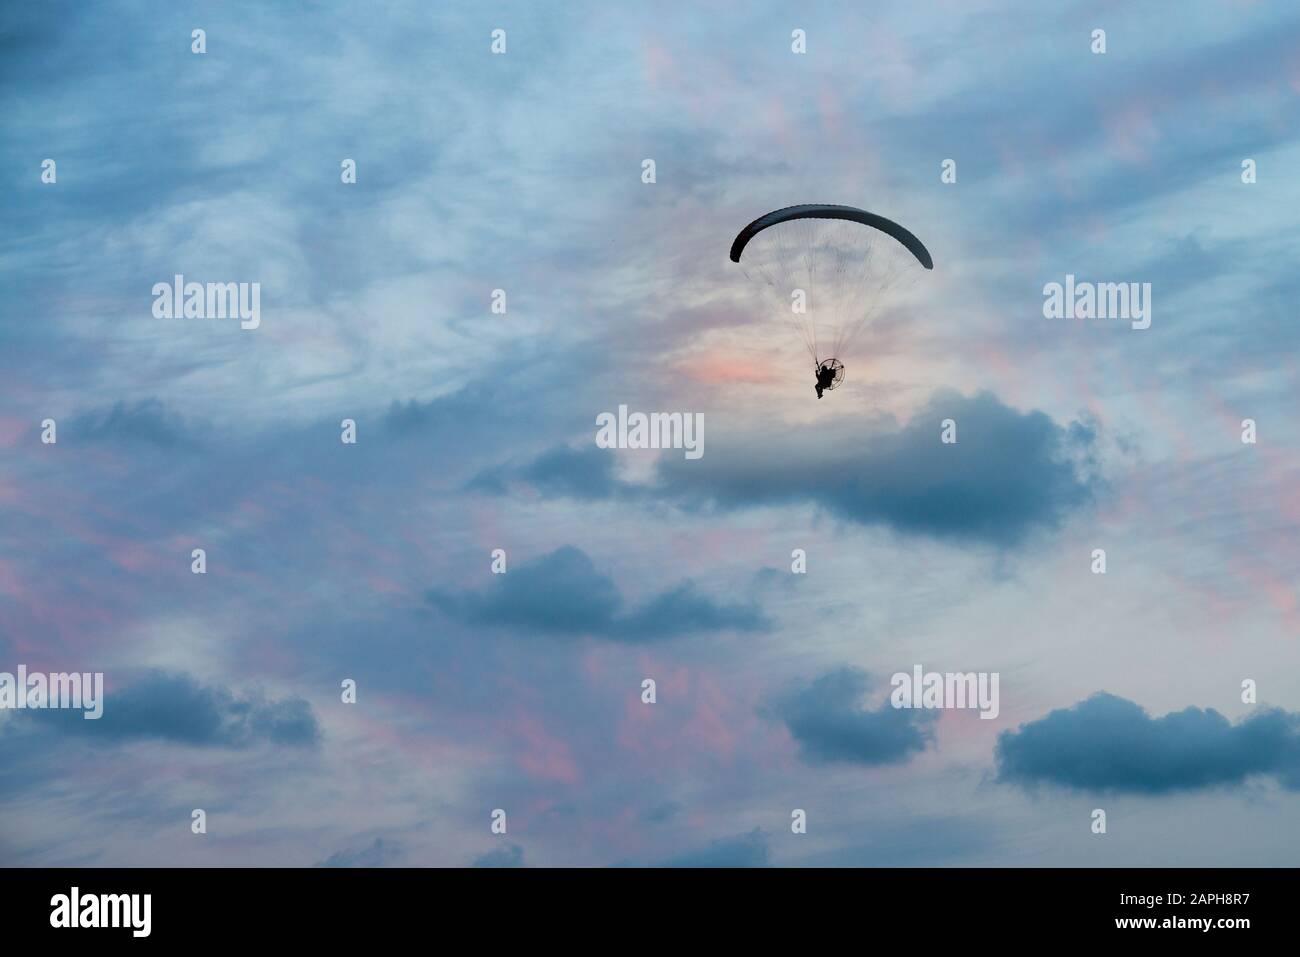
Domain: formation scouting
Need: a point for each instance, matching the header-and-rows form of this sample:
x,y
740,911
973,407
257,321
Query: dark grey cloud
x,y
558,592
828,720
563,593
559,472
177,708
687,609
147,421
1107,743
509,855
379,854
743,850
1008,474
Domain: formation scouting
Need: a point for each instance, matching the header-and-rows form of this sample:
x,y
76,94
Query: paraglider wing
x,y
825,211
829,270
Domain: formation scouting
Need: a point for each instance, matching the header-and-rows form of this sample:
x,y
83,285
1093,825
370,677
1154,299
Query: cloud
x,y
563,593
176,708
378,854
1008,473
660,813
510,855
558,593
559,472
913,840
744,850
1107,743
146,421
686,608
826,719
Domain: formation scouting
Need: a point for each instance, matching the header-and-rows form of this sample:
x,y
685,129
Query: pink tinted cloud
x,y
544,755
10,583
12,429
1132,131
732,370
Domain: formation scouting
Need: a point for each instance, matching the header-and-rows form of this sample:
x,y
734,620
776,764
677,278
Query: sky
x,y
371,562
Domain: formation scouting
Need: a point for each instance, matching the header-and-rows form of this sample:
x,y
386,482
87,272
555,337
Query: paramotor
x,y
829,269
